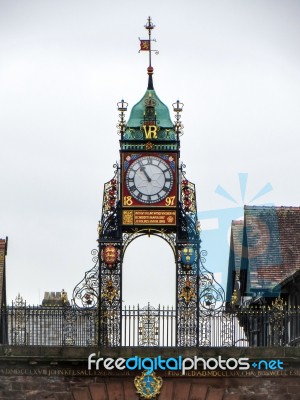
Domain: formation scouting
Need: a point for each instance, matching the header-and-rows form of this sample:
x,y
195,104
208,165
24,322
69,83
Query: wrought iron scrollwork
x,y
188,259
109,226
187,294
110,266
86,292
19,331
148,328
69,325
169,237
109,325
277,319
227,334
188,228
211,308
187,325
212,294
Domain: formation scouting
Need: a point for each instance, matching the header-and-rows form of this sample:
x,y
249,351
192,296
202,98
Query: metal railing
x,y
50,326
148,326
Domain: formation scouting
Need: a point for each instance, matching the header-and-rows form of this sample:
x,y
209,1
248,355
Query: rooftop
x,y
271,247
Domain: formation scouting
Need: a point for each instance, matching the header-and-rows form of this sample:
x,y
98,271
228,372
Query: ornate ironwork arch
x,y
198,295
168,237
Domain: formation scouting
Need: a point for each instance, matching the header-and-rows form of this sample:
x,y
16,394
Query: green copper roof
x,y
150,119
162,112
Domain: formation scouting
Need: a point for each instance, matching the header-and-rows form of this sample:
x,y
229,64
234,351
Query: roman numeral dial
x,y
149,179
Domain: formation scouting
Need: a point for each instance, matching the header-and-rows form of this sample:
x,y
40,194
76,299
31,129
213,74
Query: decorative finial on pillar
x,y
122,108
145,45
178,126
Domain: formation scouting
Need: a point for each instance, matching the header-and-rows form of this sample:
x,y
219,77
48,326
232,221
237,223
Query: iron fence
x,y
148,326
50,326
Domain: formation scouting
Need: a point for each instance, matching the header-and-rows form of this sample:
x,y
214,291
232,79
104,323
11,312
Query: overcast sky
x,y
63,67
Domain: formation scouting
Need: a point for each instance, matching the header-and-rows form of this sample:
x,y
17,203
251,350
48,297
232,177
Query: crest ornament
x,y
187,256
110,255
148,385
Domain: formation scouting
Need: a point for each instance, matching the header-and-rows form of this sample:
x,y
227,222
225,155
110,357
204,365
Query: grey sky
x,y
63,67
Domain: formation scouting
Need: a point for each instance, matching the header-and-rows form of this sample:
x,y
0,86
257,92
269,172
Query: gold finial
x,y
64,296
234,298
278,303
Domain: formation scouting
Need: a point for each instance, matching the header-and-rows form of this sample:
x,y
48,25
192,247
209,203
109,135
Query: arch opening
x,y
149,273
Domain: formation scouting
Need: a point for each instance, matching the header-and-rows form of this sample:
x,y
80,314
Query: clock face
x,y
149,179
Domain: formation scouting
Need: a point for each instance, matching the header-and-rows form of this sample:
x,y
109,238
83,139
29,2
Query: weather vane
x,y
145,44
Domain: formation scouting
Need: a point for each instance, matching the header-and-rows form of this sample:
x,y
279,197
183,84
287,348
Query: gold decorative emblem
x,y
64,296
110,292
170,219
234,298
128,217
149,146
278,304
110,255
187,293
148,385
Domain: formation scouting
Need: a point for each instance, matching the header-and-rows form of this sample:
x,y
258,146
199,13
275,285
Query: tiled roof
x,y
271,246
237,241
235,256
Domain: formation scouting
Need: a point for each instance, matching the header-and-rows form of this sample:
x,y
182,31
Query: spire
x,y
145,45
150,79
150,114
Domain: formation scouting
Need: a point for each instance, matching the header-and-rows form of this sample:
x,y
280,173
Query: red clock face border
x,y
149,180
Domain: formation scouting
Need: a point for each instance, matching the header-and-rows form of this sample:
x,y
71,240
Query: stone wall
x,y
37,373
82,388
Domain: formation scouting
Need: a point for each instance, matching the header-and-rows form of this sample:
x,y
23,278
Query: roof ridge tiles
x,y
238,222
293,208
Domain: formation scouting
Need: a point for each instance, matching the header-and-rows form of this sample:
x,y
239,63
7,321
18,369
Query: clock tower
x,y
149,195
149,149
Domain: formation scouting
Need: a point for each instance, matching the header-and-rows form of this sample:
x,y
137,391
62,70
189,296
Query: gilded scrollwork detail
x,y
110,291
188,292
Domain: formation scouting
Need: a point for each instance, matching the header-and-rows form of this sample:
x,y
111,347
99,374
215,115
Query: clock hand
x,y
143,169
